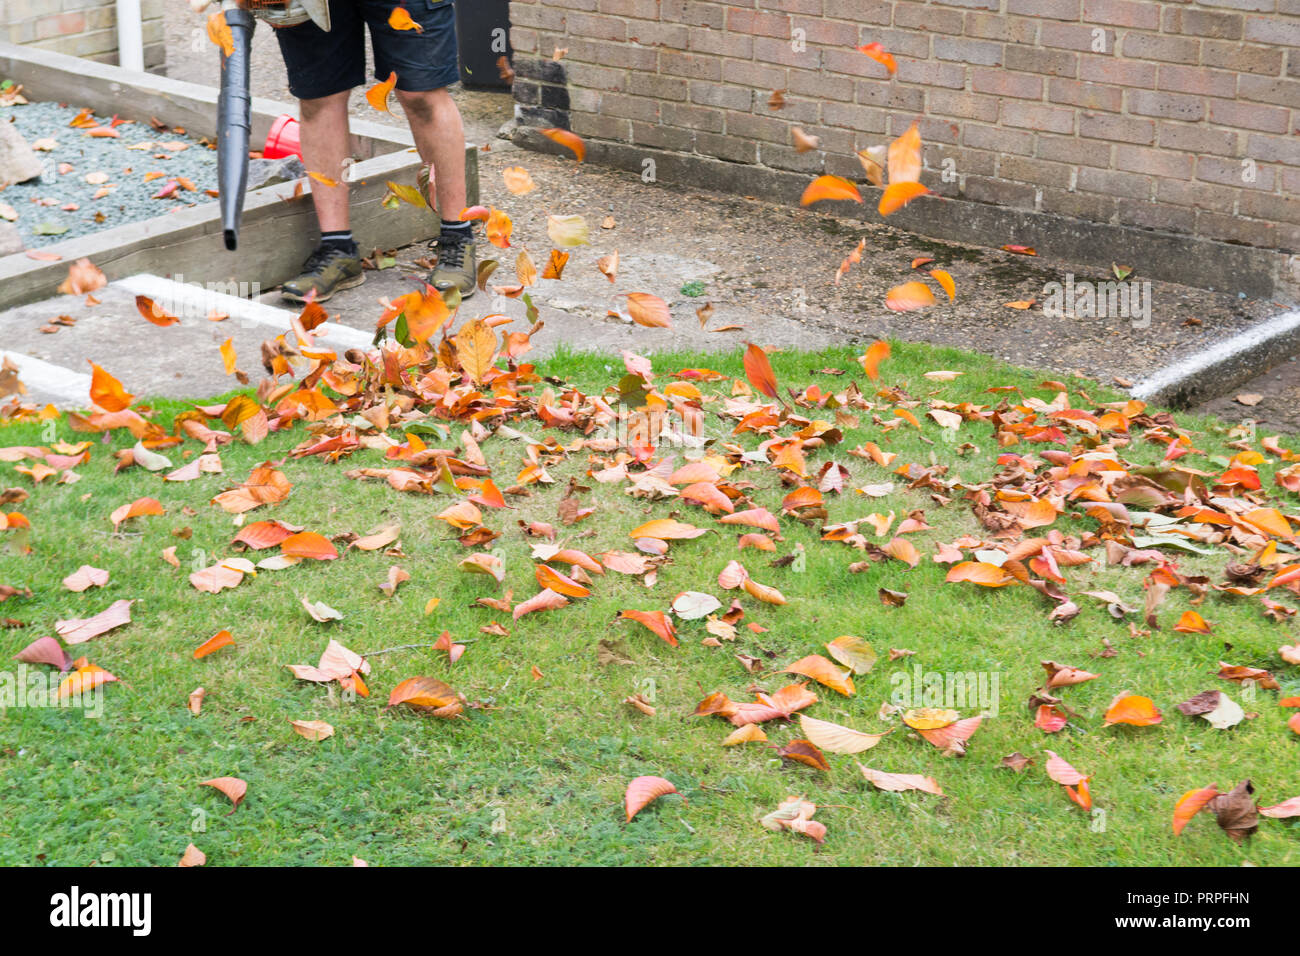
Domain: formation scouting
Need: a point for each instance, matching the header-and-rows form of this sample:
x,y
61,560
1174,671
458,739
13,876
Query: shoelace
x,y
451,251
321,258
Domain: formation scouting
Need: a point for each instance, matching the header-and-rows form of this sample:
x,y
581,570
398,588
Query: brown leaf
x,y
233,787
1236,811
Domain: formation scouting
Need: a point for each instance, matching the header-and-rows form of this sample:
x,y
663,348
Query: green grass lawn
x,y
538,776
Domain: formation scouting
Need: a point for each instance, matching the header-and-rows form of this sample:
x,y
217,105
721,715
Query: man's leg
x,y
425,62
336,263
440,138
323,132
323,68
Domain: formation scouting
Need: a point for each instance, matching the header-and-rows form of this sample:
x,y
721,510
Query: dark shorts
x,y
323,63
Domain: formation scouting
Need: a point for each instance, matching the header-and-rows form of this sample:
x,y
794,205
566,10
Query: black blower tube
x,y
234,110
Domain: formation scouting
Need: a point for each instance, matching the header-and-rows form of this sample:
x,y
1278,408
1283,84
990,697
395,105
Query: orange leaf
x,y
823,672
568,140
979,572
909,297
1062,772
898,195
656,621
399,19
548,577
84,679
666,529
153,312
899,782
312,729
107,392
877,52
544,600
763,592
804,752
219,33
232,787
648,310
141,506
498,229
426,694
876,353
945,281
829,187
758,369
1192,623
308,544
1049,719
1190,804
228,355
754,518
377,95
642,791
905,157
213,643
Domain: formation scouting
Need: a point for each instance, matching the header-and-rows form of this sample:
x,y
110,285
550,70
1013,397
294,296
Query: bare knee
x,y
313,109
423,106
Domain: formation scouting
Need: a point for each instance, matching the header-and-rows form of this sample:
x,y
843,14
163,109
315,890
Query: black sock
x,y
339,240
463,228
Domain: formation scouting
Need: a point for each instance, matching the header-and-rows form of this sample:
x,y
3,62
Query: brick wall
x,y
79,27
1165,114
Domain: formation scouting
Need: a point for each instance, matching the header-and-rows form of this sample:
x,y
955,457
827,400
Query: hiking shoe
x,y
326,271
457,265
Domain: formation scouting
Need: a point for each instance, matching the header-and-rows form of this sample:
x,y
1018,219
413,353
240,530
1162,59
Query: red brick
x,y
963,50
868,119
1267,119
1109,70
1197,138
929,73
1074,36
1166,105
1168,49
1034,116
758,23
1242,58
1032,60
931,19
1198,80
994,26
1203,23
1266,89
1088,96
996,139
1156,162
1274,149
1054,9
1071,149
1118,129
1122,13
1004,83
963,105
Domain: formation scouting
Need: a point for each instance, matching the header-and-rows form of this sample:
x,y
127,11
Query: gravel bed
x,y
93,183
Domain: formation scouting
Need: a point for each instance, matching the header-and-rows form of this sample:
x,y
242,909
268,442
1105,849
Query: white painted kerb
x,y
1181,371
